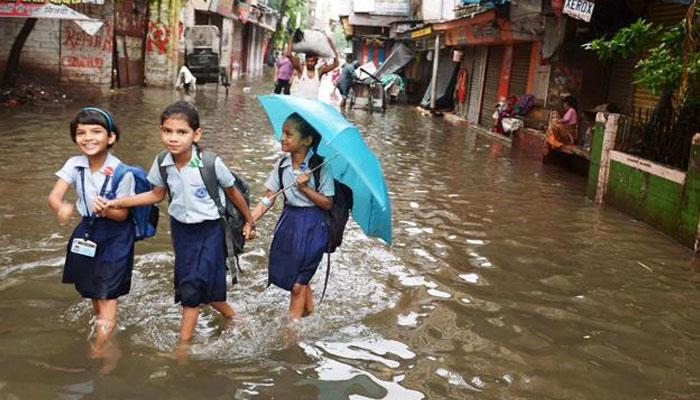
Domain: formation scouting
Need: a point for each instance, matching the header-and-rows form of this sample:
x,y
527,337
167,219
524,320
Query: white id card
x,y
84,247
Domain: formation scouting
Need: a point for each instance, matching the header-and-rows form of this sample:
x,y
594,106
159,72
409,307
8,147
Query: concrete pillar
x,y
607,126
433,80
690,206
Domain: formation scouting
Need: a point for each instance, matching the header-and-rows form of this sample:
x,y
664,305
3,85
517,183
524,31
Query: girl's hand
x,y
249,231
64,212
302,180
99,205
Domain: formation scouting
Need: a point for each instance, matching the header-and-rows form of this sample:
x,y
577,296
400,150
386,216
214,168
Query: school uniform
x,y
301,233
197,234
107,275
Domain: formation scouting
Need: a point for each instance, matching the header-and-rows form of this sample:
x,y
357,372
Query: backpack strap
x,y
117,176
164,172
211,182
208,172
328,273
279,176
313,163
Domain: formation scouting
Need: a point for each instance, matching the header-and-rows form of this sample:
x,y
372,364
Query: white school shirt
x,y
190,202
308,87
294,196
94,181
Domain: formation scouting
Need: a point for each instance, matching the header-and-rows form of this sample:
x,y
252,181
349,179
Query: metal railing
x,y
661,134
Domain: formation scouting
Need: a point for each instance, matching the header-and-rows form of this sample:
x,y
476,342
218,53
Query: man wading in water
x,y
309,74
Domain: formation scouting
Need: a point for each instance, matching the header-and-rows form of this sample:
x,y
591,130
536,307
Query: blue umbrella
x,y
351,161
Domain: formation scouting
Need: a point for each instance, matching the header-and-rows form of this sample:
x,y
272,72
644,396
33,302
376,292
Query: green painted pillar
x,y
596,149
604,136
690,205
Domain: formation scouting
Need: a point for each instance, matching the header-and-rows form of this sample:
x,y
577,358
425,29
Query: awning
x,y
373,20
20,9
398,58
481,29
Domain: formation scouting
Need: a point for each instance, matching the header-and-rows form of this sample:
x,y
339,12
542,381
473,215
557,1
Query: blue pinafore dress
x,y
107,275
200,262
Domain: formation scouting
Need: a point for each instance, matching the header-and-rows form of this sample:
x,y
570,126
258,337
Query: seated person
x,y
563,131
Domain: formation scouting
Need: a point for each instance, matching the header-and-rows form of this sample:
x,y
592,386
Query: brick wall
x,y
62,50
41,50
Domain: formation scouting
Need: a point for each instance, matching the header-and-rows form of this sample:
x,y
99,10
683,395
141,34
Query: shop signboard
x,y
421,32
579,9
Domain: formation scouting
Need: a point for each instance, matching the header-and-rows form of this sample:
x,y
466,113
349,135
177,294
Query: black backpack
x,y
231,218
336,217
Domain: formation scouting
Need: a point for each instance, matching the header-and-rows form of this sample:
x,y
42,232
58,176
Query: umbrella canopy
x,y
351,161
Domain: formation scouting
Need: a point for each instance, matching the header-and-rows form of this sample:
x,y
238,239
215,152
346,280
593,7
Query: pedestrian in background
x,y
345,82
310,73
283,75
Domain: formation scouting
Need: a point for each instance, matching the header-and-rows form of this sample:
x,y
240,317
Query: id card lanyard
x,y
92,216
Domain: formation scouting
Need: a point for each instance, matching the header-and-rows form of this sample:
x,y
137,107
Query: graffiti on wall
x,y
82,62
158,37
85,58
75,38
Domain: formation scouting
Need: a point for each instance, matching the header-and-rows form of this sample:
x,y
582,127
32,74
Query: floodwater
x,y
503,281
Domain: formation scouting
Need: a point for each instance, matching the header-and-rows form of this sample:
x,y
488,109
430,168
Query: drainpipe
x,y
433,80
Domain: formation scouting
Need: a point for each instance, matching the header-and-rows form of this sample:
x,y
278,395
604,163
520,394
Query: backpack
x,y
231,218
144,218
336,217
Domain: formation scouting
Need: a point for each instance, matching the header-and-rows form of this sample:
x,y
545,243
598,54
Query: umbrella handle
x,y
284,189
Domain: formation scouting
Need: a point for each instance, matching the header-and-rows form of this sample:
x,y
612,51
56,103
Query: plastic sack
x,y
310,41
511,125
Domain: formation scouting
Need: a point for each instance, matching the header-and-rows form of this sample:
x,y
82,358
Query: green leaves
x,y
660,50
625,42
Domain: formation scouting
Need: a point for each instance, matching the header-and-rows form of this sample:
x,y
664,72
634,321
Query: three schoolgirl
x,y
198,236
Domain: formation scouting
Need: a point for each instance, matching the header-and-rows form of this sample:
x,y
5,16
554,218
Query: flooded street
x,y
503,281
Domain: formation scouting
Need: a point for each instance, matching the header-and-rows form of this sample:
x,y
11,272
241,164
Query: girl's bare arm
x,y
62,209
261,208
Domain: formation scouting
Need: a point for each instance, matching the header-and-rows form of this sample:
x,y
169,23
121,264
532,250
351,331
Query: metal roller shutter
x,y
665,14
520,69
493,76
476,83
620,86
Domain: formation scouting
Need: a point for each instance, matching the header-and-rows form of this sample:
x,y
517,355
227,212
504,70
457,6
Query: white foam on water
x,y
413,280
424,254
439,293
410,319
455,379
470,277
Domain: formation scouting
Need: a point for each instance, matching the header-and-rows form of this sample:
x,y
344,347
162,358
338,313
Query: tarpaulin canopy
x,y
444,82
21,9
398,58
